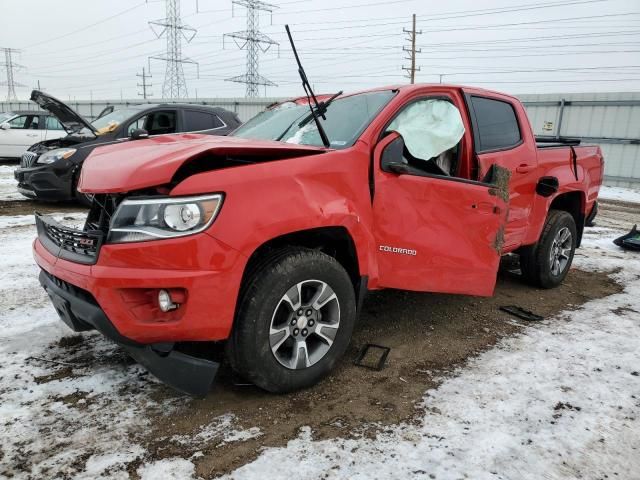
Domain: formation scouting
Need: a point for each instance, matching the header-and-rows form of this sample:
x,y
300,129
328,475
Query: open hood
x,y
70,119
134,165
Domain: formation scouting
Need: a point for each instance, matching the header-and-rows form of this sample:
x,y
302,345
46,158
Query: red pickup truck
x,y
269,240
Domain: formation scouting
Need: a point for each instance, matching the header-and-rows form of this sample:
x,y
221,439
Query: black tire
x,y
590,220
249,348
536,262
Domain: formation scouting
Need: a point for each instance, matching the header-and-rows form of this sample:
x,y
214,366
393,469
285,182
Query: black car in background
x,y
49,170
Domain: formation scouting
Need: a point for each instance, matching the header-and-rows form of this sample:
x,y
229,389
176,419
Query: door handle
x,y
484,207
32,134
524,168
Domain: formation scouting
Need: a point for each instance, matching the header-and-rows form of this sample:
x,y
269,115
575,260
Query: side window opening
x,y
52,123
139,123
21,122
161,123
496,124
432,130
196,121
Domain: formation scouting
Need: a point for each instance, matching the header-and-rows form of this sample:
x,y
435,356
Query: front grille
x,y
69,243
102,209
28,159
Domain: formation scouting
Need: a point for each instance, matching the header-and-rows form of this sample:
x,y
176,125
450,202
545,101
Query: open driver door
x,y
436,233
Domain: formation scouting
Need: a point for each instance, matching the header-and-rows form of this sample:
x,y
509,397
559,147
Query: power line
x,y
254,40
10,66
86,27
412,69
174,30
144,84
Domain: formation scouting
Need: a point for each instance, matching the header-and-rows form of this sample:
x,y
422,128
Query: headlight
x,y
166,217
55,155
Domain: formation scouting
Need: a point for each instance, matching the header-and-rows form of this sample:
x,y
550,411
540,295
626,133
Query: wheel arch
x,y
335,241
573,203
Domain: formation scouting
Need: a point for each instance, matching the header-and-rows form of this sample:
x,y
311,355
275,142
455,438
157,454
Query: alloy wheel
x,y
560,251
304,324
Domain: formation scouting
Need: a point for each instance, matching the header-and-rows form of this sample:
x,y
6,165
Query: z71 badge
x,y
401,251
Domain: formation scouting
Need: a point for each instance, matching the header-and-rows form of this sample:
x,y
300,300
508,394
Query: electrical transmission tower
x,y
10,66
254,42
144,84
412,51
174,31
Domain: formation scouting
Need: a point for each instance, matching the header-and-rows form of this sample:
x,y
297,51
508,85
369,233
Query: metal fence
x,y
611,120
244,107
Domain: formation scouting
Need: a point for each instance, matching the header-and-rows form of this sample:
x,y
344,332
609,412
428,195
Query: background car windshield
x,y
116,117
346,119
5,116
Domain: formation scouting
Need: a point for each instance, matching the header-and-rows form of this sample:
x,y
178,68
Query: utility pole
x,y
254,42
144,84
10,66
174,31
412,50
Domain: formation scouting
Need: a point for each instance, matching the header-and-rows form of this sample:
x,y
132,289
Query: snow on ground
x,y
70,408
560,401
619,193
8,184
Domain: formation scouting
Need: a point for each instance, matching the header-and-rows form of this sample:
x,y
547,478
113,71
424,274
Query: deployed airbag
x,y
429,128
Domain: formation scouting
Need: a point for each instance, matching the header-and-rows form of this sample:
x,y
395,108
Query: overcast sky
x,y
79,48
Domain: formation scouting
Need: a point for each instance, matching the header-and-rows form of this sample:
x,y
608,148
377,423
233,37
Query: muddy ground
x,y
429,336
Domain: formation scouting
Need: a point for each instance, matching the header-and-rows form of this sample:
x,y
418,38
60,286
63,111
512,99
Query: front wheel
x,y
547,263
294,321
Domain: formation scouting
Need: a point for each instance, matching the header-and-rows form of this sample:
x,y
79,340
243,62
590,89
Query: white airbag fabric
x,y
429,127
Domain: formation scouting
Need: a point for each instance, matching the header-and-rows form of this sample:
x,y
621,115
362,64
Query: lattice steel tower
x,y
254,42
10,66
174,30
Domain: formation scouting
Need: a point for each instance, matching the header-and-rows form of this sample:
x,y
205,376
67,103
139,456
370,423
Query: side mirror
x,y
5,126
392,159
139,134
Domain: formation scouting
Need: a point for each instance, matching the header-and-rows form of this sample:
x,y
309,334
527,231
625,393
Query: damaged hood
x,y
139,164
71,120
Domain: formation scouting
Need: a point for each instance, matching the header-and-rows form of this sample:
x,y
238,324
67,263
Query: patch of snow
x,y
69,219
221,430
168,469
8,184
560,401
619,193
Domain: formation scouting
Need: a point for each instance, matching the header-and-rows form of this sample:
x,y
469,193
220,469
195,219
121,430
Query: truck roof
x,y
408,88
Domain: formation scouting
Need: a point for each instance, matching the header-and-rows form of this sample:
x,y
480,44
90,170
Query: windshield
x,y
6,116
109,122
346,119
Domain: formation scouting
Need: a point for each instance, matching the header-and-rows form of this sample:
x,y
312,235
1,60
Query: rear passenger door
x,y
198,121
499,140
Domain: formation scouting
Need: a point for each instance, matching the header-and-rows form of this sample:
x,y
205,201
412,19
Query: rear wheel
x,y
294,321
547,263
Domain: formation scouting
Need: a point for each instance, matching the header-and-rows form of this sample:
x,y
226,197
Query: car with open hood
x,y
49,170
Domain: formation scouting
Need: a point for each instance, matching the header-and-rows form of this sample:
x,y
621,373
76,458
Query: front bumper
x,y
79,310
44,183
116,293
